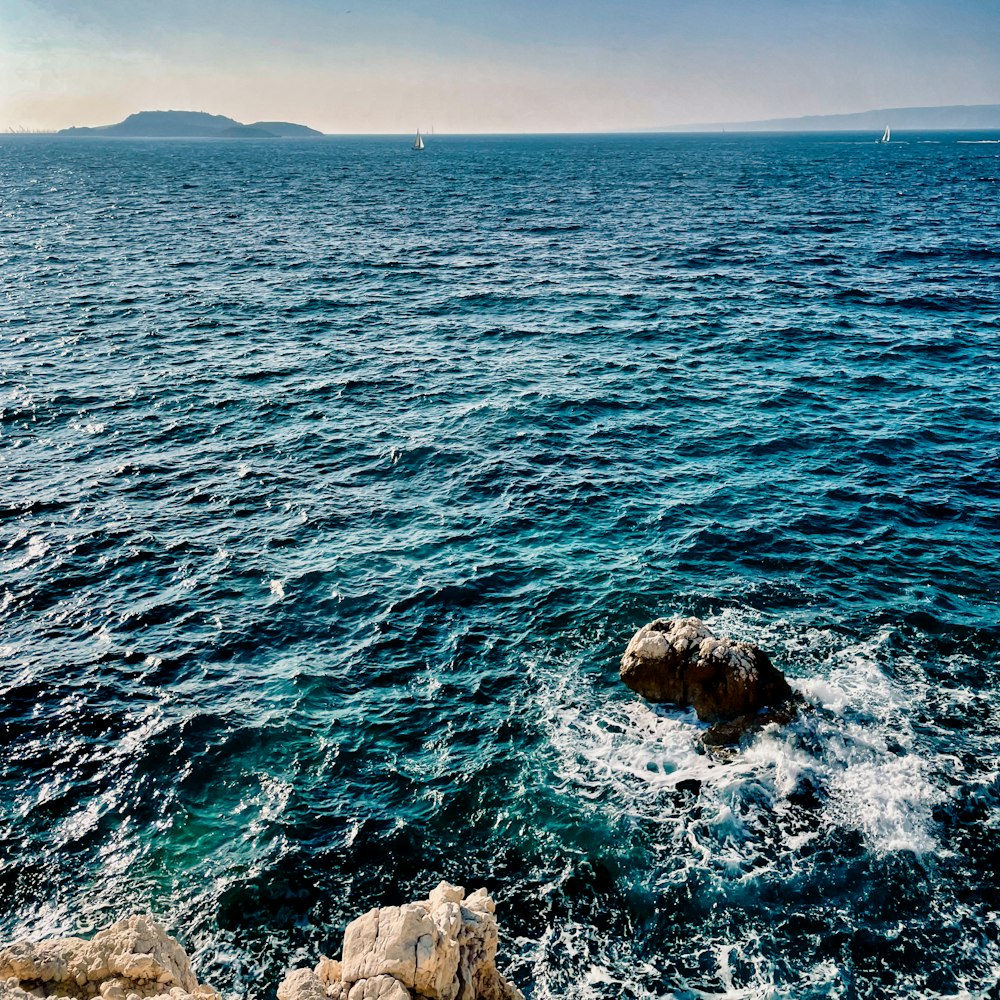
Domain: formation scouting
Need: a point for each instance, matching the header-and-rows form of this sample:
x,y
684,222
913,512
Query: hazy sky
x,y
503,66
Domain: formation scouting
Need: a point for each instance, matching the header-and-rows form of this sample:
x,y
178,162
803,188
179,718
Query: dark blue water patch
x,y
337,480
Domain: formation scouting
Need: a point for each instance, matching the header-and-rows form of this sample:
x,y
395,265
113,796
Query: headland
x,y
192,125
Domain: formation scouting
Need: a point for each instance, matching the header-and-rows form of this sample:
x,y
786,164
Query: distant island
x,y
193,125
956,117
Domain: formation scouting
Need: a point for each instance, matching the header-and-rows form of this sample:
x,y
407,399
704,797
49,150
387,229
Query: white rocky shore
x,y
131,960
441,948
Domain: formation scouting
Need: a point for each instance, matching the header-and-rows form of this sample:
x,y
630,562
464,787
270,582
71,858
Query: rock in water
x,y
441,948
132,958
678,660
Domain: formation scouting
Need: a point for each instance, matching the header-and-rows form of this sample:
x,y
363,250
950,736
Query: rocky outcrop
x,y
441,948
678,660
131,960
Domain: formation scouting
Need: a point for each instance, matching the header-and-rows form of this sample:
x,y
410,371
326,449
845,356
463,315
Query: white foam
x,y
857,752
91,427
592,976
889,800
35,547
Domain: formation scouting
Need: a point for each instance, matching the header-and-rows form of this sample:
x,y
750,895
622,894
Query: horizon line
x,y
664,130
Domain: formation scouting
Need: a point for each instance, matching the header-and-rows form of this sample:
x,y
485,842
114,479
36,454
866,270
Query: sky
x,y
460,66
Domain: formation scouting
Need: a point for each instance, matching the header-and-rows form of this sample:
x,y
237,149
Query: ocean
x,y
336,478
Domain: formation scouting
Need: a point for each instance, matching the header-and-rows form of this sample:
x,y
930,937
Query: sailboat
x,y
885,135
418,143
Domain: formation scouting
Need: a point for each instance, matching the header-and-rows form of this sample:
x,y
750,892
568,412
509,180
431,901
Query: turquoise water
x,y
337,477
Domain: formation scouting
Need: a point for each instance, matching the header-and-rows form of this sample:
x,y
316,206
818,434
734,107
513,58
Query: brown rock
x,y
678,660
725,734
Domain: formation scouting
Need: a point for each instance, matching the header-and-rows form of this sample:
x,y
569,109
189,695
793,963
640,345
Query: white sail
x,y
418,143
885,135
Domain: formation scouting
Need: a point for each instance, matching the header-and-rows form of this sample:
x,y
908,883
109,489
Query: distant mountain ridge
x,y
192,125
954,117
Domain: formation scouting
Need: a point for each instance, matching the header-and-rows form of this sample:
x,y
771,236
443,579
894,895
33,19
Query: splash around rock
x,y
729,683
440,948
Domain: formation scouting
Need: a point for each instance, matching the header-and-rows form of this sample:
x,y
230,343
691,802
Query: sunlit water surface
x,y
336,478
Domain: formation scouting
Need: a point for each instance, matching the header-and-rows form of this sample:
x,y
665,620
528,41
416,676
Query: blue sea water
x,y
336,477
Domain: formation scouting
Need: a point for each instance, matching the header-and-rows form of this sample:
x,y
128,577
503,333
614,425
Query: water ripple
x,y
336,478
